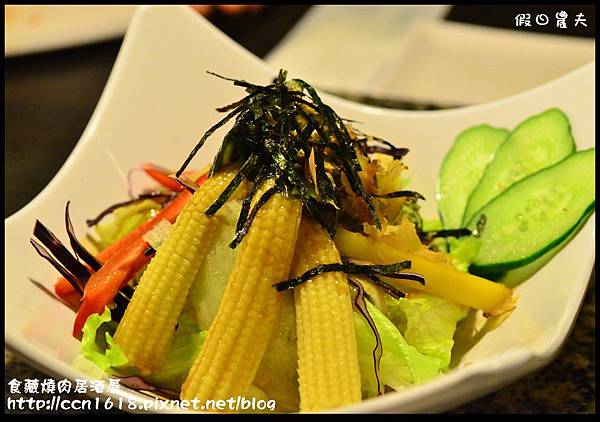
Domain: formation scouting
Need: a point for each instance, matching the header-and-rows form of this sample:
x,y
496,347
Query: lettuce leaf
x,y
433,224
428,323
463,251
122,221
186,344
98,346
401,364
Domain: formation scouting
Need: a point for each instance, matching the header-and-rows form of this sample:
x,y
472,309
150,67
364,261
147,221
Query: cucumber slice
x,y
536,214
462,169
514,277
538,142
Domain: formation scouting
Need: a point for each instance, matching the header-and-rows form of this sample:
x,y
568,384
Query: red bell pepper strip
x,y
161,175
120,263
67,293
63,288
174,208
103,285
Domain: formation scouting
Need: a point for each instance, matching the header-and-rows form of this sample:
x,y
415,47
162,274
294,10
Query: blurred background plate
x,y
410,53
31,29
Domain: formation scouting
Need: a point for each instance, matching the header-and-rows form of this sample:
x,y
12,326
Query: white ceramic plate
x,y
32,29
156,104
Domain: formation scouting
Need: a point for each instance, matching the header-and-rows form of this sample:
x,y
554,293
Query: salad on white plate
x,y
297,266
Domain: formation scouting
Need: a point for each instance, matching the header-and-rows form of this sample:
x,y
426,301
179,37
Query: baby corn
x,y
327,358
147,327
238,336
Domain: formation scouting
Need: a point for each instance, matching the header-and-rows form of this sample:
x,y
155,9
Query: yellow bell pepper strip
x,y
440,279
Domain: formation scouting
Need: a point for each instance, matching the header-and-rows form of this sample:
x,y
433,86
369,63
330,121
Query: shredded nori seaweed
x,y
278,128
347,267
399,194
233,185
239,234
205,137
429,236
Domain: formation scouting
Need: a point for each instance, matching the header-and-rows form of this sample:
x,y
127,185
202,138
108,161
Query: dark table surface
x,y
50,97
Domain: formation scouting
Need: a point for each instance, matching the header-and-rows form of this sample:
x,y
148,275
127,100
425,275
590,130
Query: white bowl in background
x,y
159,100
33,29
410,53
